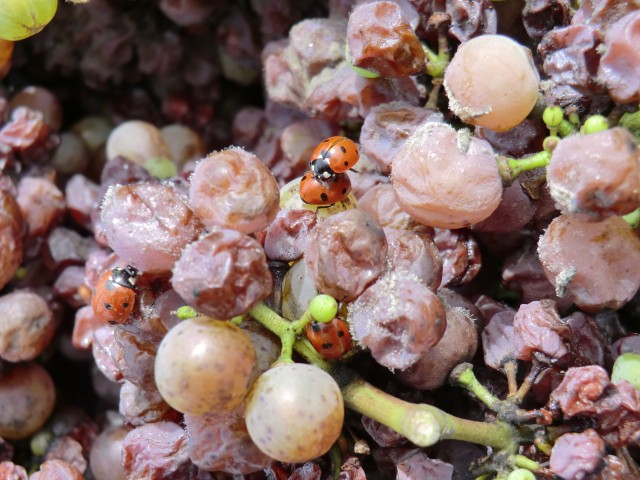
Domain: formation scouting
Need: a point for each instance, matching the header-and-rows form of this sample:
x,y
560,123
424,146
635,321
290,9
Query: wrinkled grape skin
x,y
205,366
498,340
460,254
294,412
575,455
620,64
538,328
10,237
234,189
41,204
57,469
156,450
380,39
597,174
398,318
28,396
446,179
11,471
345,253
148,225
479,82
381,204
222,443
288,233
26,326
458,344
223,274
595,274
139,406
387,128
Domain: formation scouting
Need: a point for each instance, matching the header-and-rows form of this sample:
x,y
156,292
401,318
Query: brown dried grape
x,y
576,455
498,340
457,345
287,234
479,82
381,204
120,171
380,39
105,458
94,131
345,253
223,274
28,396
415,253
72,155
541,16
538,328
580,390
69,286
460,254
602,14
524,138
222,443
41,203
26,326
586,343
156,450
620,63
595,274
84,326
318,43
135,357
148,225
66,247
139,406
138,142
571,57
398,319
513,213
26,133
388,126
234,189
597,174
381,434
446,179
107,353
419,465
41,100
205,366
11,248
56,470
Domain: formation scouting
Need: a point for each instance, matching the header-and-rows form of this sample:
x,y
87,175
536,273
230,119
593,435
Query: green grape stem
x,y
424,424
521,461
633,218
511,168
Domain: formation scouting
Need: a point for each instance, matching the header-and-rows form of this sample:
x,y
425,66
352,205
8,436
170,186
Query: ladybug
x,y
334,155
332,340
317,191
114,296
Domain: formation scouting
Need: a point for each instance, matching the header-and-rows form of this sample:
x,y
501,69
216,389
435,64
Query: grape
x,y
41,203
234,189
298,289
627,367
575,455
205,366
323,308
94,131
592,273
28,396
41,100
290,199
6,56
294,412
21,19
57,469
446,179
416,253
480,82
597,174
105,456
184,143
72,155
138,142
11,248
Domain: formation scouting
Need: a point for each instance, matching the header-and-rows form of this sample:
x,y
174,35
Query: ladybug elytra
x,y
113,297
332,339
317,191
334,155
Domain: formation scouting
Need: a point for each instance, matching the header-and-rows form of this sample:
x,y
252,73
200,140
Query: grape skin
x,y
294,412
204,366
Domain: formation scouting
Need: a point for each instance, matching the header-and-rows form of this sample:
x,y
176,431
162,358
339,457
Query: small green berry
x,y
595,123
521,474
161,168
40,442
323,308
552,116
627,367
363,72
185,312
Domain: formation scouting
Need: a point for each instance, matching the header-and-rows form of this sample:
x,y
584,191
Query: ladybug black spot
x,y
315,327
326,346
346,164
324,197
125,305
303,179
340,333
325,141
108,306
344,190
344,150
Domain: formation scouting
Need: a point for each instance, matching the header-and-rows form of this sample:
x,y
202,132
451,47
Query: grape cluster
x,y
283,312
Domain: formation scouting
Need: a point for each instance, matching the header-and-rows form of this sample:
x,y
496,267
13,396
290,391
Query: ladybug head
x,y
126,276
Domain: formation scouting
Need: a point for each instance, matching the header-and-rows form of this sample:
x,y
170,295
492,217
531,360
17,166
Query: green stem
x,y
633,218
566,128
631,121
464,377
511,168
521,461
284,329
423,424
